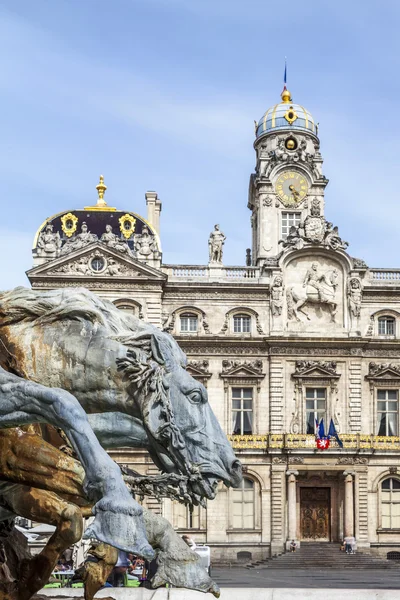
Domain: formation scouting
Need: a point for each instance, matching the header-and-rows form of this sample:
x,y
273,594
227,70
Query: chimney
x,y
153,210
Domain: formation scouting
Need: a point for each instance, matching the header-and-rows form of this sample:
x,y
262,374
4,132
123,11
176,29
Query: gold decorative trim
x,y
265,119
127,225
291,115
69,231
249,441
273,115
291,441
306,115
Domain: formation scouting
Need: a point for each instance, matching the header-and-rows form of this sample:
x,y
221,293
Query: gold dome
x,y
286,96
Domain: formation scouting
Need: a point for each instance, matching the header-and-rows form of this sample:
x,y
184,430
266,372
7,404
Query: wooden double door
x,y
315,510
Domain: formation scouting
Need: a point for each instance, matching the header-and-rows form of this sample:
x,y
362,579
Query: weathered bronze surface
x,y
127,386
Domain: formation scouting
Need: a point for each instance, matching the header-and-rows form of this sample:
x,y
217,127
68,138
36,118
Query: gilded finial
x,y
101,188
286,96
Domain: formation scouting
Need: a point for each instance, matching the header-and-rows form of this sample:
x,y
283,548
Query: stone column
x,y
348,504
292,509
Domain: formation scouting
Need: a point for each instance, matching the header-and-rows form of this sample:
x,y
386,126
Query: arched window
x,y
241,323
189,323
129,308
386,325
243,511
390,501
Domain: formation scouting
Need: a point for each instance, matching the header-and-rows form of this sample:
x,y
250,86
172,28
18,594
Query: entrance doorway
x,y
315,514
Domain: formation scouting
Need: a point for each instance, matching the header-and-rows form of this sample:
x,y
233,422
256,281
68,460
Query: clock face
x,y
291,188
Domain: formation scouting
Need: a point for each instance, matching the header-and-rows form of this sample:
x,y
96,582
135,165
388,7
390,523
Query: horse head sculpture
x,y
128,375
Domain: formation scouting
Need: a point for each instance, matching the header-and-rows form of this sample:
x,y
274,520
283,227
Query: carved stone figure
x,y
277,296
84,266
293,238
232,365
359,263
302,366
319,288
49,243
314,230
376,369
215,245
79,240
113,241
354,295
145,244
314,223
126,366
200,365
332,238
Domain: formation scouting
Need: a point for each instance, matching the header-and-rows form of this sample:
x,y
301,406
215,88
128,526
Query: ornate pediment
x,y
383,371
317,369
95,261
246,369
199,369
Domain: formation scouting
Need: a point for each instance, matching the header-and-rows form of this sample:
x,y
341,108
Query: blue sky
x,y
162,94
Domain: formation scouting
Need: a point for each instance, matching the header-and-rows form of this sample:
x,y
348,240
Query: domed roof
x,y
286,115
71,229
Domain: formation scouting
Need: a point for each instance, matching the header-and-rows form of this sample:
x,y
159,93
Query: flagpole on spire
x,y
285,76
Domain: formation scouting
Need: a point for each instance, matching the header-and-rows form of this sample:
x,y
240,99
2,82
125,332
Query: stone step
x,y
324,556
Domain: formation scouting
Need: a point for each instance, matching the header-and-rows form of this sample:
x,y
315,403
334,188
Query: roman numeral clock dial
x,y
291,188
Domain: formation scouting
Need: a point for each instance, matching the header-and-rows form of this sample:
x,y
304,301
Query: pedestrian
x,y
293,546
120,569
189,541
350,543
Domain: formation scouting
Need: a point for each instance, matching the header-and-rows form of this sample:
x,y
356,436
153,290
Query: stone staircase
x,y
323,556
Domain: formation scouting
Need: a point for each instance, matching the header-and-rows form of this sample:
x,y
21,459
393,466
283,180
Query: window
x,y
241,324
184,518
388,410
129,308
189,323
242,411
315,407
243,505
386,326
391,504
289,219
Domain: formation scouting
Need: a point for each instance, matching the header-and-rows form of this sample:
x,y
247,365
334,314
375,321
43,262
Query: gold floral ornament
x,y
291,115
127,225
69,224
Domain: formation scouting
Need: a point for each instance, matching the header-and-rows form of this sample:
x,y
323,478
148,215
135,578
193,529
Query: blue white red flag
x,y
333,433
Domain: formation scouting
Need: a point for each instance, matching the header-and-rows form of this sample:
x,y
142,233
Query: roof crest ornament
x,y
101,204
101,189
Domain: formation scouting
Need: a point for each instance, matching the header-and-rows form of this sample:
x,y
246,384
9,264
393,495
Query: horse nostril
x,y
236,473
236,465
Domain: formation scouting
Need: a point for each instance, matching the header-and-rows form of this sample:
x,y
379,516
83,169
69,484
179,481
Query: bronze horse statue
x,y
75,361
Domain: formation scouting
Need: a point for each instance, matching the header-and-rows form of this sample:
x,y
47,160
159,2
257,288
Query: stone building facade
x,y
303,331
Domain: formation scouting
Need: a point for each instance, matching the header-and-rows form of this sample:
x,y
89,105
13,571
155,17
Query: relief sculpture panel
x,y
314,295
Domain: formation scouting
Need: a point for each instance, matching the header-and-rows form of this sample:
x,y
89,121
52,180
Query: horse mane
x,y
151,353
45,307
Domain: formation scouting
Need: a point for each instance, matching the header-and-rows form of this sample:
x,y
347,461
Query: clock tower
x,y
288,177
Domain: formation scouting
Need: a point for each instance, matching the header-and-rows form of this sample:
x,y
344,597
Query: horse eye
x,y
195,397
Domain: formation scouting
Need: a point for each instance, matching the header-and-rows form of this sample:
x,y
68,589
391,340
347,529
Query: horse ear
x,y
156,350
